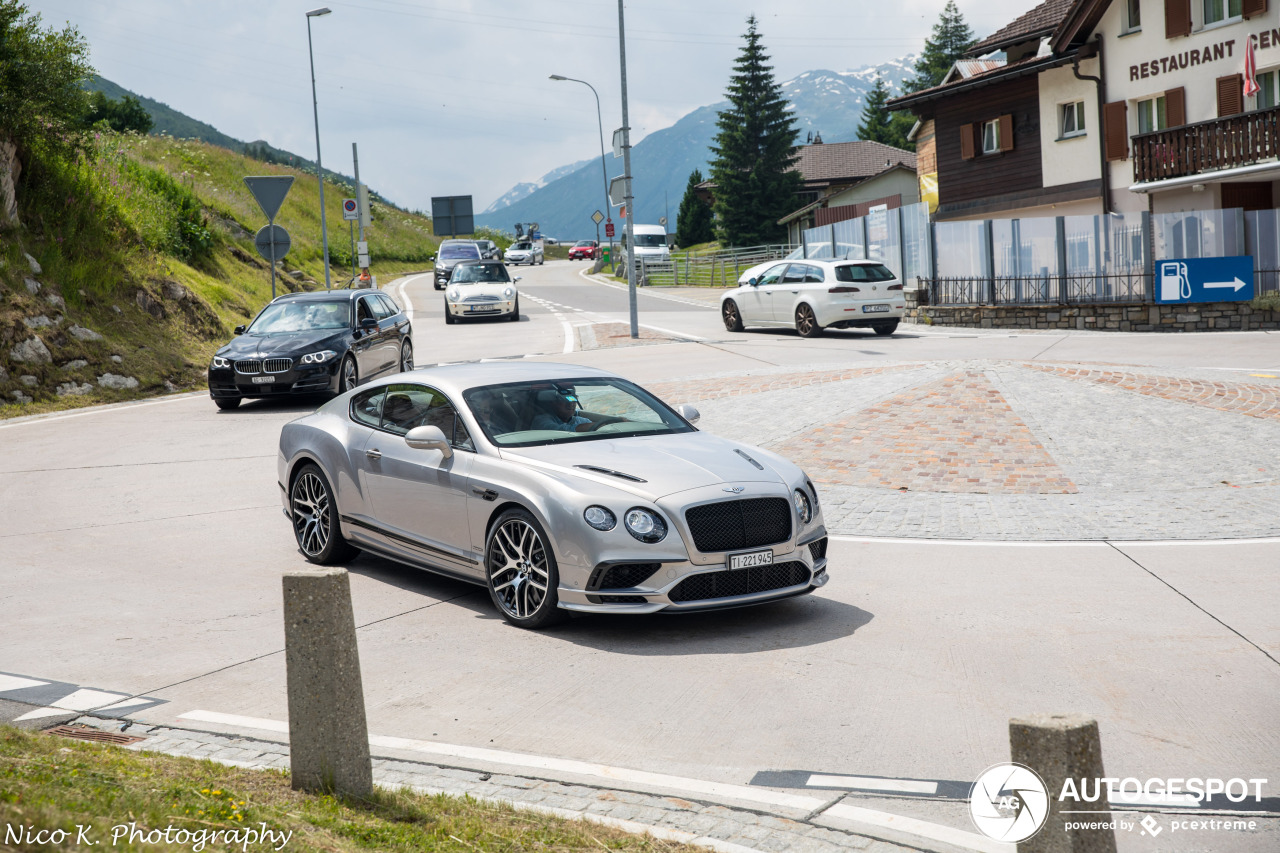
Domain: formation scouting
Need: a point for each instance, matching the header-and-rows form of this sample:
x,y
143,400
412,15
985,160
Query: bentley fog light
x,y
219,362
803,508
645,525
317,357
599,518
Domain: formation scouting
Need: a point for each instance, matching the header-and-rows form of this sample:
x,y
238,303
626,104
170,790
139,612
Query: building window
x,y
1133,16
1073,119
1267,89
1151,115
991,137
1220,10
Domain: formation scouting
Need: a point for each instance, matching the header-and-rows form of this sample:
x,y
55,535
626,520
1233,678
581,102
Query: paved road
x,y
143,546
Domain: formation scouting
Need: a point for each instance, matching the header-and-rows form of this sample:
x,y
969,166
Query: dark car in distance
x,y
326,342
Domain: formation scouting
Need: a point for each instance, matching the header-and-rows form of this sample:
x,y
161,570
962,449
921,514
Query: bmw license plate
x,y
263,380
875,309
751,560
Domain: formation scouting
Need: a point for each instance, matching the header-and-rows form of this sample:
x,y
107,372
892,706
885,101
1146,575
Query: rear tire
x,y
731,315
807,322
314,513
227,403
888,327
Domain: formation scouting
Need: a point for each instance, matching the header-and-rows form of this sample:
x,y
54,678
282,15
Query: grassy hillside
x,y
146,258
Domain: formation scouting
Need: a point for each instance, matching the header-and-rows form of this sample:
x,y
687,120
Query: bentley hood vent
x,y
749,459
612,473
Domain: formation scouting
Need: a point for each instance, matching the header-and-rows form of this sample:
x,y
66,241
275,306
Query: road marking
x,y
626,289
867,783
684,335
13,682
99,410
1066,543
405,302
923,829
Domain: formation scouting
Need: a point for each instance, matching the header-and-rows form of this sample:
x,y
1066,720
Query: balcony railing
x,y
1222,143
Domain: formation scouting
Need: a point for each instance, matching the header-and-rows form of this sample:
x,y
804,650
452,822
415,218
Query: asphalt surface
x,y
144,545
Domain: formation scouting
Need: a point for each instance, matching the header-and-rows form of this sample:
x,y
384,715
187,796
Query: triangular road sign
x,y
269,191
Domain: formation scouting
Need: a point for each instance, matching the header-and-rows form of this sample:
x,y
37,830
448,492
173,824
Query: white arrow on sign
x,y
1235,285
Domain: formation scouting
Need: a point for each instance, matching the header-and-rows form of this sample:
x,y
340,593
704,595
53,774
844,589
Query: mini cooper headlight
x,y
804,509
645,525
509,292
453,295
599,518
317,357
220,362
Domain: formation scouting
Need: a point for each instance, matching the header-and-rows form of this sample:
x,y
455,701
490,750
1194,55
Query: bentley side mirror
x,y
689,413
428,438
239,330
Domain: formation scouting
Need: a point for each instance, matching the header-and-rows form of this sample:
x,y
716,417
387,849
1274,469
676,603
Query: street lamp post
x,y
315,109
604,171
628,201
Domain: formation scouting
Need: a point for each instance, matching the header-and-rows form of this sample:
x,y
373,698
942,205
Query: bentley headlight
x,y
220,362
599,518
317,357
804,509
645,525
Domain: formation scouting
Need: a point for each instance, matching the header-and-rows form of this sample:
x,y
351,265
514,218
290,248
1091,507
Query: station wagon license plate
x,y
875,309
751,560
263,380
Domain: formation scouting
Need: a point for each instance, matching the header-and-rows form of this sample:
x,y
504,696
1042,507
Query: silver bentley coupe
x,y
559,487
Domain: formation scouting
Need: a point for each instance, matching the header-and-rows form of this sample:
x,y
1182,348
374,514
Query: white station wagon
x,y
811,295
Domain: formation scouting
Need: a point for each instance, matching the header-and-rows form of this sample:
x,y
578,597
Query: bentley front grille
x,y
734,525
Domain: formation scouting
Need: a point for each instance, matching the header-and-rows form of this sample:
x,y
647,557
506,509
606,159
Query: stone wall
x,y
1117,317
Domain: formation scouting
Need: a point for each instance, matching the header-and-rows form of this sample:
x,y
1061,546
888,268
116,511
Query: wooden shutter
x,y
1175,107
1006,133
1254,8
1230,95
966,142
1115,127
1177,18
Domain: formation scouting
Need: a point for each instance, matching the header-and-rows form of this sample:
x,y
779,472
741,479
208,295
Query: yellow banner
x,y
929,190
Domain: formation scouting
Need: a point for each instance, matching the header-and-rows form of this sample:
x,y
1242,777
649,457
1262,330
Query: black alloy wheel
x,y
731,315
406,356
314,513
806,322
885,328
348,375
521,571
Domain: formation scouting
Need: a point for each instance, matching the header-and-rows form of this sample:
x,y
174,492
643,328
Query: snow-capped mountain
x,y
825,102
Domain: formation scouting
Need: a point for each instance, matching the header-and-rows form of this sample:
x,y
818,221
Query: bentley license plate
x,y
263,380
875,309
750,561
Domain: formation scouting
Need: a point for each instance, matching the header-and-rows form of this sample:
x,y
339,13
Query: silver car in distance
x,y
558,487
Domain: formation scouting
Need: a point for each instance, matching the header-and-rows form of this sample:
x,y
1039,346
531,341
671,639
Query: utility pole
x,y
628,201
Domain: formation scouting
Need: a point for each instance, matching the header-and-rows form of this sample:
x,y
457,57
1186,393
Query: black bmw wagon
x,y
312,343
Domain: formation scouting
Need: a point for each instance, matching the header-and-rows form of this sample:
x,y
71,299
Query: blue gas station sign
x,y
1204,280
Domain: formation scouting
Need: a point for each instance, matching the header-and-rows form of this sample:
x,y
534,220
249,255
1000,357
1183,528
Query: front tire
x,y
449,319
406,357
314,513
731,315
227,403
888,327
348,375
515,313
807,322
521,571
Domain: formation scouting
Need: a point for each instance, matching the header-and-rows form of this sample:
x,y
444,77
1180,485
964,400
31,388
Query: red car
x,y
587,250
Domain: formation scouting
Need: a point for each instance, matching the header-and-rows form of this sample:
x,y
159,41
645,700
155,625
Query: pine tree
x,y
880,125
951,38
753,152
693,221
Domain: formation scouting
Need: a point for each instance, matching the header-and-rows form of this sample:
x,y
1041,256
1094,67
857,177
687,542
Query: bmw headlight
x,y
804,509
645,525
317,357
599,518
453,295
220,362
509,292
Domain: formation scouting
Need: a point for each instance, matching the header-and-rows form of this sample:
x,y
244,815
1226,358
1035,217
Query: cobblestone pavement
x,y
707,824
1006,450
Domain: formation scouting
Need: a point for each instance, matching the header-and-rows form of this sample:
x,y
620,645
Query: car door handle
x,y
373,454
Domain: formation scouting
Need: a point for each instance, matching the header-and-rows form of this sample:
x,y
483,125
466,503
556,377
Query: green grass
x,y
139,219
49,782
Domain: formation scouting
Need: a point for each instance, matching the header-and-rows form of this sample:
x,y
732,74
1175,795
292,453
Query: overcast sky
x,y
452,97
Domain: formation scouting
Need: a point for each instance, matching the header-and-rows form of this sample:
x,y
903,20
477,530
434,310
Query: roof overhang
x,y
1009,73
1222,176
1075,28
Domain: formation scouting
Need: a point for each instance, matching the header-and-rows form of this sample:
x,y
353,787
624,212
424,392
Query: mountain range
x,y
829,103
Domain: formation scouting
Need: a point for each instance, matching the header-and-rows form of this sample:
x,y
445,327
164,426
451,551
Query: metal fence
x,y
1083,289
714,269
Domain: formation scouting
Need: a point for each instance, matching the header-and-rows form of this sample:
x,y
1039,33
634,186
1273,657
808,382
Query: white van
x,y
651,243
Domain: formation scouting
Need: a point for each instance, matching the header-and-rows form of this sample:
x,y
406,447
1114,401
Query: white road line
x,y
100,410
13,682
684,335
923,829
568,333
1066,543
867,783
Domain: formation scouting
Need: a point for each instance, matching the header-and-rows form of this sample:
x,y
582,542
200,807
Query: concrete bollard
x,y
328,735
1061,747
